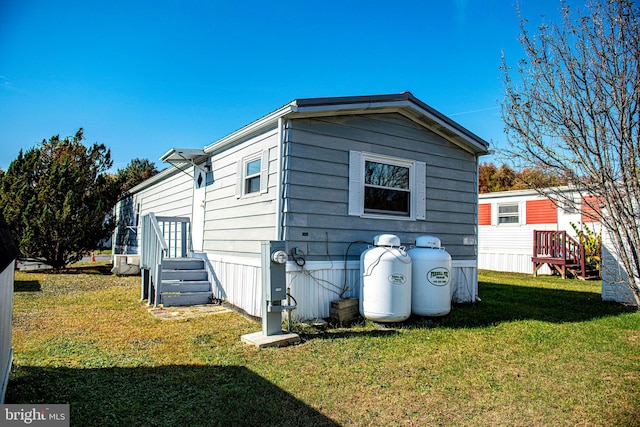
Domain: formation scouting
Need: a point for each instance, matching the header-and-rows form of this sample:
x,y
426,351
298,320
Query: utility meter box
x,y
274,270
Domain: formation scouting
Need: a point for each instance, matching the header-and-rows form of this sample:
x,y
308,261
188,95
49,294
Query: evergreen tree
x,y
57,198
134,173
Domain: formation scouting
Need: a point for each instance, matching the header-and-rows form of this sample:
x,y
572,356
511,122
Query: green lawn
x,y
535,352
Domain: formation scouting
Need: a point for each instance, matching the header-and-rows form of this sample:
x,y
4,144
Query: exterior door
x,y
197,212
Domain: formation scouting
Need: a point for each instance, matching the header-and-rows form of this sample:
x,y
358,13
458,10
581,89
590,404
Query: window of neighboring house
x,y
386,186
252,176
569,206
508,214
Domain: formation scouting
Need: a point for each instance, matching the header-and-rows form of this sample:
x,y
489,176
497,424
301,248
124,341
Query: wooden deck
x,y
561,253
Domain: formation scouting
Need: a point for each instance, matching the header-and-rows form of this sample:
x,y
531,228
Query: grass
x,y
534,352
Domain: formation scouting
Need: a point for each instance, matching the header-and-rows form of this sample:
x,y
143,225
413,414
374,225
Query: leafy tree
x,y
539,178
503,178
56,198
573,108
492,178
137,171
592,242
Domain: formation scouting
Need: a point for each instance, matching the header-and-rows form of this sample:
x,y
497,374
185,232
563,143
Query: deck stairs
x,y
184,281
171,273
561,253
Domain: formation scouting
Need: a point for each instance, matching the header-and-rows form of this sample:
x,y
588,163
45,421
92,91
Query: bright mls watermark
x,y
34,415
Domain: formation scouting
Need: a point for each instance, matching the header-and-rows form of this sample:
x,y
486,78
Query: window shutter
x,y
239,175
356,171
264,172
484,214
421,190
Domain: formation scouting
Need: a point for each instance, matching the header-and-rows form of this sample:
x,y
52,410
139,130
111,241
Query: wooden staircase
x,y
184,281
562,253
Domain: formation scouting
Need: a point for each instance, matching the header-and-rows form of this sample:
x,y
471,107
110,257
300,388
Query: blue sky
x,y
145,76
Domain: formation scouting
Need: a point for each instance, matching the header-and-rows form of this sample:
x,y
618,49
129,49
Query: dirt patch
x,y
176,313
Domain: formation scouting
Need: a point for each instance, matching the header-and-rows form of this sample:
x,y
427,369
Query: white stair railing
x,y
161,237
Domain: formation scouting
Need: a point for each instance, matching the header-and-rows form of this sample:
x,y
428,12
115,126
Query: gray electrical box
x,y
274,285
274,276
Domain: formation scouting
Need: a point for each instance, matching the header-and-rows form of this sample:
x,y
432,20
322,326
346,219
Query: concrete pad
x,y
261,341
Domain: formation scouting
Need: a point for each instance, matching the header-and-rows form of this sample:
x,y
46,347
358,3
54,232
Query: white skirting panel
x,y
464,281
509,262
238,281
319,283
6,312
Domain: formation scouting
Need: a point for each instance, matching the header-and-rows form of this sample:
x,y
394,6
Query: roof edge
x,y
404,100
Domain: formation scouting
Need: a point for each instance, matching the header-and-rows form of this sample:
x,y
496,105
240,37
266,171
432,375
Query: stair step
x,y
185,298
182,264
192,286
184,275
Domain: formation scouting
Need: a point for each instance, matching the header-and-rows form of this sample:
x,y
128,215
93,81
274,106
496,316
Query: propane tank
x,y
431,278
385,270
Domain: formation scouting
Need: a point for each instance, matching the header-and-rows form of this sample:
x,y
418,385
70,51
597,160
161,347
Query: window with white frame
x,y
569,205
508,213
386,186
253,174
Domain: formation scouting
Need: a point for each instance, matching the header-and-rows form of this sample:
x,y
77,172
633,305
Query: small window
x,y
386,189
252,176
382,186
569,206
508,214
208,167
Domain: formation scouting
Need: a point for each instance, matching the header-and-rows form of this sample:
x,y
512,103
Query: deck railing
x,y
557,247
160,237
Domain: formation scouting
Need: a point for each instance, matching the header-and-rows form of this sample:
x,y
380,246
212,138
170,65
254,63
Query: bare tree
x,y
573,107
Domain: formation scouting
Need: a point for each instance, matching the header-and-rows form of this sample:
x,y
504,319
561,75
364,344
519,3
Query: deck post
x,y
183,240
144,288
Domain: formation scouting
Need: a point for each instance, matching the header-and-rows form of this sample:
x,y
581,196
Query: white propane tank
x,y
431,278
385,288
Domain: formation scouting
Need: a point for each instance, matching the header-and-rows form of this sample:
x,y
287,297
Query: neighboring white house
x,y
321,174
615,280
507,221
8,254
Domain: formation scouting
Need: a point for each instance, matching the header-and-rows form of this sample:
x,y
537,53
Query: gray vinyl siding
x,y
170,193
317,184
236,226
170,197
125,236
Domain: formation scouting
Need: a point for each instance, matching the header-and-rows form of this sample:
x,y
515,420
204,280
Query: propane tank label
x,y
438,276
397,279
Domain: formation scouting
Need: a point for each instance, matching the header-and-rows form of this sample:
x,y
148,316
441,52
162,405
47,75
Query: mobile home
x,y
324,175
508,220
